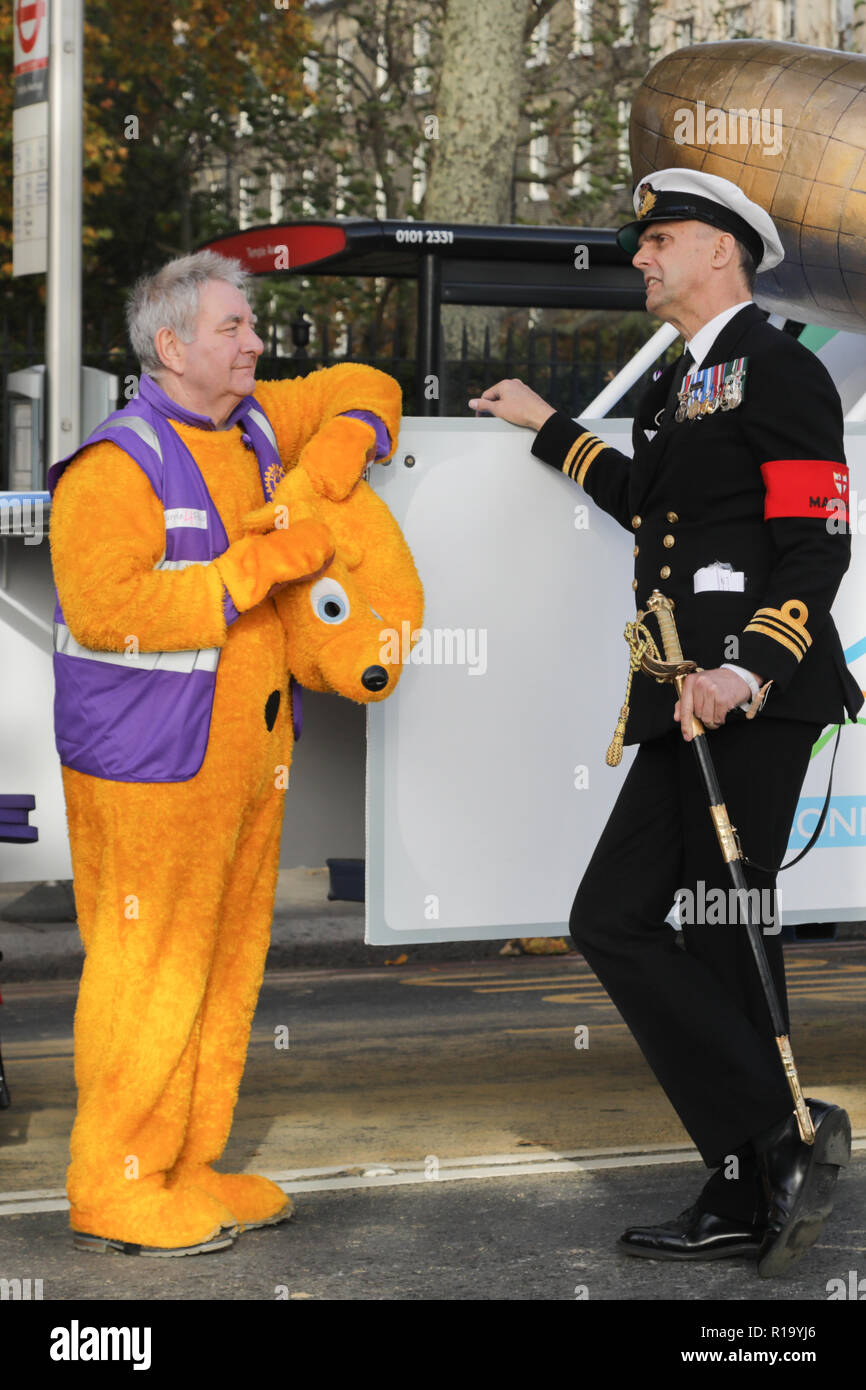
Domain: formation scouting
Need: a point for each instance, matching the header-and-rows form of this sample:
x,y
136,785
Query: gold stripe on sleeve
x,y
783,619
801,639
588,460
576,460
766,631
576,446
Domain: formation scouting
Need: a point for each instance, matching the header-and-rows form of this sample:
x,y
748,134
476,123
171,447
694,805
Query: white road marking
x,y
349,1175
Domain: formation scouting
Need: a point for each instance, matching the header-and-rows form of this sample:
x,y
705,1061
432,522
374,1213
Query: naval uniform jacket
x,y
750,487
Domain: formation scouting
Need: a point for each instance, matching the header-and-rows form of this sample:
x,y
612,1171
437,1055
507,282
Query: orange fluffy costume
x,y
175,881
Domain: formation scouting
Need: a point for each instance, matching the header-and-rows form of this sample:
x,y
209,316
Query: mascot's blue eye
x,y
331,610
329,600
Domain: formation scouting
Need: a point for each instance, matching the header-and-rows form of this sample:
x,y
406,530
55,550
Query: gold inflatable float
x,y
787,123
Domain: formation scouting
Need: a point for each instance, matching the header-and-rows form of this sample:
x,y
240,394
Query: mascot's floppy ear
x,y
337,455
351,552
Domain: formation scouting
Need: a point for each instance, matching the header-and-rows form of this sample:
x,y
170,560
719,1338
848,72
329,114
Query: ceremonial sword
x,y
645,657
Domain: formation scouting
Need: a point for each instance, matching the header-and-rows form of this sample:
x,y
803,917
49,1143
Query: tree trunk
x,y
478,107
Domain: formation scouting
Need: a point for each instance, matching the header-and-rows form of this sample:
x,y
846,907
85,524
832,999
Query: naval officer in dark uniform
x,y
736,501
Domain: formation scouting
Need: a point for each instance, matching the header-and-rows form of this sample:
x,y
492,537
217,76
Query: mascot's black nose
x,y
272,705
374,678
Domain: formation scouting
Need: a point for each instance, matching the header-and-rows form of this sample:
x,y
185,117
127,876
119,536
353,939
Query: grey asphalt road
x,y
476,1243
549,1237
444,1139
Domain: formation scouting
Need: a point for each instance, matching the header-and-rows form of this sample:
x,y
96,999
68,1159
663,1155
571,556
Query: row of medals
x,y
730,396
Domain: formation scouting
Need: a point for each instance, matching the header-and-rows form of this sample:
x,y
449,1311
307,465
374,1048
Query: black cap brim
x,y
627,236
678,207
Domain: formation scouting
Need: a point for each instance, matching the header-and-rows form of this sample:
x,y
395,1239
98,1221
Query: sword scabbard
x,y
674,669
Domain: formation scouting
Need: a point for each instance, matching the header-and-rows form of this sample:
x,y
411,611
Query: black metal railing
x,y
567,369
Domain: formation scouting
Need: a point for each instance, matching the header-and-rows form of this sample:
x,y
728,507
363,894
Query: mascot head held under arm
x,y
337,624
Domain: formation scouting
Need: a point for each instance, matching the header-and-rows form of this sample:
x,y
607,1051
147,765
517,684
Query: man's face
x,y
674,259
221,359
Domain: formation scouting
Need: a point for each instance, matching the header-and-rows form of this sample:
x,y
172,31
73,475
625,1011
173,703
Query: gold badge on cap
x,y
647,199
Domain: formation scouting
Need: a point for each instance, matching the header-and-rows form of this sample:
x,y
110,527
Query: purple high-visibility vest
x,y
146,717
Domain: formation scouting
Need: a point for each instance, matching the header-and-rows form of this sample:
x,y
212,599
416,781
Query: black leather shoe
x,y
799,1180
693,1235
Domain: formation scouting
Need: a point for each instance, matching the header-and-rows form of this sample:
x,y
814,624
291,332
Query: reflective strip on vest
x,y
145,432
259,418
177,564
184,662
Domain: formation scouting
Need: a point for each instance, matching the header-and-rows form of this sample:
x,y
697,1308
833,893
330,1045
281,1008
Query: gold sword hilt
x,y
674,667
663,608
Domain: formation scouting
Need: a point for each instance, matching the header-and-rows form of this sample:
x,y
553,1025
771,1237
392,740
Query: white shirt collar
x,y
707,334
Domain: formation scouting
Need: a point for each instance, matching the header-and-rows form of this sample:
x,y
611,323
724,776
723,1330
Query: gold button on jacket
x,y
665,572
668,541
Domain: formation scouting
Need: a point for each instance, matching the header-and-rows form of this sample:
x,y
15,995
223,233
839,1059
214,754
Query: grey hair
x,y
168,298
745,259
748,266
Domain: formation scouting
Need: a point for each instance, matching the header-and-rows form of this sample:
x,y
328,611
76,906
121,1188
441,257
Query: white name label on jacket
x,y
185,516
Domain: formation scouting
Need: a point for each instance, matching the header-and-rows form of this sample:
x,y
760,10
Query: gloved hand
x,y
254,565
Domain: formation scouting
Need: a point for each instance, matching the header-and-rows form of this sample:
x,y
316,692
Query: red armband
x,y
805,487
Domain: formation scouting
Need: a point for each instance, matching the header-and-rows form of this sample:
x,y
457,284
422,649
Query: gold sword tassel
x,y
640,642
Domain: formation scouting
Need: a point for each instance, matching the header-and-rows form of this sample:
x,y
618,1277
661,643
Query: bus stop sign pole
x,y
63,318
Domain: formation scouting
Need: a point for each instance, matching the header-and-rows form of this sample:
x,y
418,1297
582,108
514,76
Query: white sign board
x,y
487,786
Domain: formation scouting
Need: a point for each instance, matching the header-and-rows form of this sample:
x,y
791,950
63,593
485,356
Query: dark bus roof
x,y
475,263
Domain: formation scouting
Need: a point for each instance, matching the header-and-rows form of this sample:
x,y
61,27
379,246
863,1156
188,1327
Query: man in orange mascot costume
x,y
209,541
